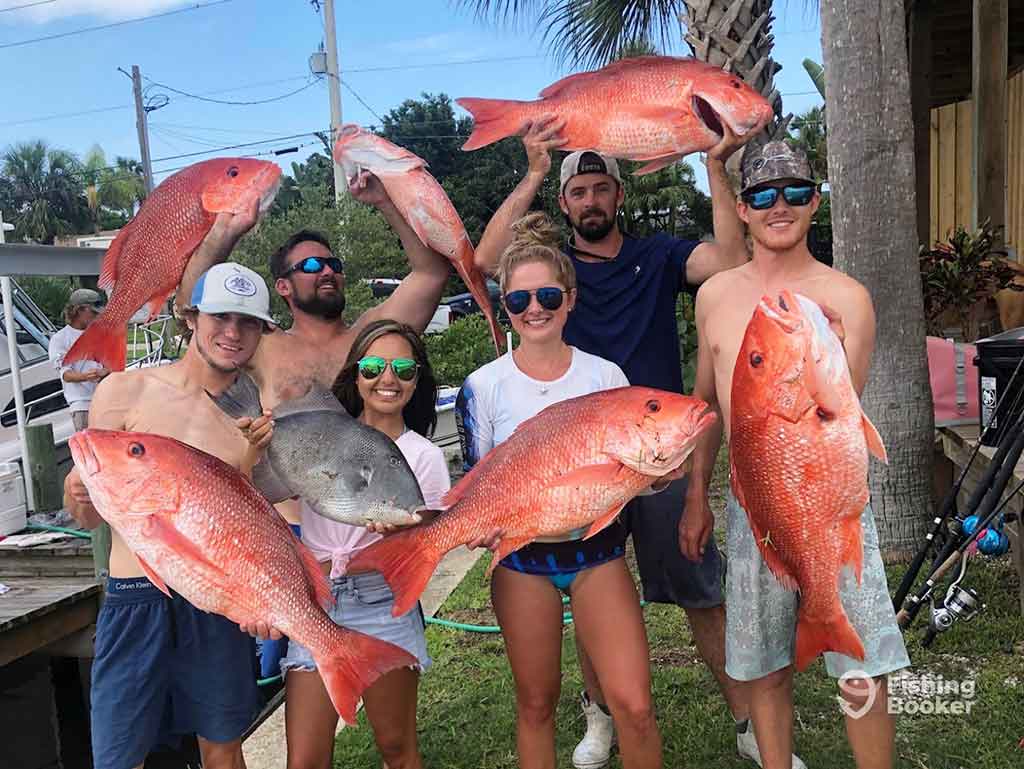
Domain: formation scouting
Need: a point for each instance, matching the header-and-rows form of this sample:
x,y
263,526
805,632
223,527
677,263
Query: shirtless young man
x,y
761,619
162,667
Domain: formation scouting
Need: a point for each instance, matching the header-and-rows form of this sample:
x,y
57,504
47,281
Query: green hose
x,y
566,619
60,529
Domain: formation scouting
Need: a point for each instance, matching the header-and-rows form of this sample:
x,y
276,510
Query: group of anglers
x,y
593,313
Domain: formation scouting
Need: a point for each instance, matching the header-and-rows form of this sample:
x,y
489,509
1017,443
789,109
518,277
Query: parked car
x,y
464,304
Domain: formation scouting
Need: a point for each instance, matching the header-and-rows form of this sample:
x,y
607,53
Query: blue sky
x,y
257,49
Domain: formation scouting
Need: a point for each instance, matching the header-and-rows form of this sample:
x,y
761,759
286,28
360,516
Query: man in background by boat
x,y
78,380
625,313
163,668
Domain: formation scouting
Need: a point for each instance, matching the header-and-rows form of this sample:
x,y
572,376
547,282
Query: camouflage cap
x,y
774,161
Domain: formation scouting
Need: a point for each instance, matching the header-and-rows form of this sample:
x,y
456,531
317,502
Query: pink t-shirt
x,y
338,542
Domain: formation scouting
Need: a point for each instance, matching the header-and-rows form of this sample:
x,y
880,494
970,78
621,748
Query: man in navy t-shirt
x,y
625,312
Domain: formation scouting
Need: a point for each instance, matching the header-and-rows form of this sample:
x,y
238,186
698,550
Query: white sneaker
x,y
746,745
595,748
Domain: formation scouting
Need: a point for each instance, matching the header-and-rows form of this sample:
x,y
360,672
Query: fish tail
x,y
242,399
405,560
493,119
105,341
477,285
353,661
836,635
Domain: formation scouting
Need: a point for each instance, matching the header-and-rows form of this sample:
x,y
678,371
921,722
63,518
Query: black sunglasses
x,y
311,265
548,297
795,195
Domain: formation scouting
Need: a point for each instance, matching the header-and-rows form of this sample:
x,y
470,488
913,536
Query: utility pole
x,y
334,91
142,125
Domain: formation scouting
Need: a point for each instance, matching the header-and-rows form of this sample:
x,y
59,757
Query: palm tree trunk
x,y
871,164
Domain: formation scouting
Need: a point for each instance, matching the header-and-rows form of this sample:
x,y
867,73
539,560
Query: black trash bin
x,y
997,359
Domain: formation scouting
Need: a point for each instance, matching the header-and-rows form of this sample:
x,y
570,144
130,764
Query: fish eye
x,y
393,461
233,171
735,83
756,359
136,449
653,406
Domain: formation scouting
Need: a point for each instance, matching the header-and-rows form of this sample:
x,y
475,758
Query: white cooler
x,y
12,499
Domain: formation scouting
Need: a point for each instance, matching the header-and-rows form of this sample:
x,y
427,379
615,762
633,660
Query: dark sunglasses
x,y
795,195
311,265
372,366
548,297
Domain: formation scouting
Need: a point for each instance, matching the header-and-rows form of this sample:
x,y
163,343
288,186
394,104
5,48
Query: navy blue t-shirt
x,y
625,309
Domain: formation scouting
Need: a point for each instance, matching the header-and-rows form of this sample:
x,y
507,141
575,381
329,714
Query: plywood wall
x,y
951,150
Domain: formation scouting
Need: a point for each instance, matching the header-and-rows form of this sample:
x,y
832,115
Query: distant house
x,y
102,239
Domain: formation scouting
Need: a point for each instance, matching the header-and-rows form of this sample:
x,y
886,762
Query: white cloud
x,y
104,10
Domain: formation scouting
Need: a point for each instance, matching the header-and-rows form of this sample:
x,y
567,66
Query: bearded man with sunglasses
x,y
777,200
625,312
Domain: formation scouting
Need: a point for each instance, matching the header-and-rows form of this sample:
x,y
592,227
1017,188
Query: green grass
x,y
467,712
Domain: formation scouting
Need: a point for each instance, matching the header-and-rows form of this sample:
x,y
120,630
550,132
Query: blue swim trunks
x,y
272,651
164,669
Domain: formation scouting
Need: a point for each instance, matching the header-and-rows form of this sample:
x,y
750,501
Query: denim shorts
x,y
164,669
363,602
760,634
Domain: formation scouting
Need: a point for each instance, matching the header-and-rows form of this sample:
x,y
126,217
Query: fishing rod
x,y
949,504
961,539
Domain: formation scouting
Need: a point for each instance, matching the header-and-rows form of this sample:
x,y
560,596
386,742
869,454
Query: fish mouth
x,y
785,312
82,452
268,195
707,115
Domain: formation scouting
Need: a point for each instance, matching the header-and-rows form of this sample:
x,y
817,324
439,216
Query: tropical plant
x,y
807,132
46,191
958,278
110,189
460,349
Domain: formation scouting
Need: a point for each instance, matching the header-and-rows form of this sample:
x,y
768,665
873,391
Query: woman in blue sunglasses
x,y
388,384
538,285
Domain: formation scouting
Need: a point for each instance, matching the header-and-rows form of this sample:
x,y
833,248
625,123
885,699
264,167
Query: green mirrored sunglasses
x,y
372,366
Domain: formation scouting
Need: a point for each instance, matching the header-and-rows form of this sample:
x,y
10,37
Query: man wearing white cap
x,y
78,380
162,667
625,313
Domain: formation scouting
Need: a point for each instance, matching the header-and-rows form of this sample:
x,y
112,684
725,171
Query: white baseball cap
x,y
232,287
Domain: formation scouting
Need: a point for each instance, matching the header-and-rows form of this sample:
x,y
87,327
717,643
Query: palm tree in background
x,y
115,188
808,132
47,191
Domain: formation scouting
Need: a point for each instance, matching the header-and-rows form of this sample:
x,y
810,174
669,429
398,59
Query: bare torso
x,y
728,301
161,401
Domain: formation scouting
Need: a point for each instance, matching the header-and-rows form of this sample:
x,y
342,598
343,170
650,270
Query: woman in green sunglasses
x,y
388,384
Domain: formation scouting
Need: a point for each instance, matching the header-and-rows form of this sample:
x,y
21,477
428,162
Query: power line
x,y
26,5
360,99
66,114
198,97
59,35
440,64
234,147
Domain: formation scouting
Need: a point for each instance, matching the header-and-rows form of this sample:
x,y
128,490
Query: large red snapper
x,y
144,264
577,462
198,526
651,108
423,204
798,446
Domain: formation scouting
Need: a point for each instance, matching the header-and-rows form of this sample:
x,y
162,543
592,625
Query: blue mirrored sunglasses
x,y
548,297
794,195
311,265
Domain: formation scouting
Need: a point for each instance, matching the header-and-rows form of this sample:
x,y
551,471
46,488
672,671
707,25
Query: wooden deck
x,y
957,444
53,594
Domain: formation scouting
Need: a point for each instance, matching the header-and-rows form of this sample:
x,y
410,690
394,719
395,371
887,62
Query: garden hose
x,y
566,620
60,530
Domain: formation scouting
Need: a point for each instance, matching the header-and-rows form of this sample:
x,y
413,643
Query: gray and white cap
x,y
231,287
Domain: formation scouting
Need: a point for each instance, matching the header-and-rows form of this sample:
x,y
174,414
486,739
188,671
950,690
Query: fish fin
x,y
493,120
319,587
153,577
603,522
405,560
108,269
156,304
569,80
104,342
874,439
852,543
159,528
836,635
506,546
242,399
269,483
772,559
352,663
588,475
657,164
317,398
734,482
477,285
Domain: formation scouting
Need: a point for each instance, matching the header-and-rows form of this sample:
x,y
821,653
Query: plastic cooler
x,y
954,381
12,499
997,359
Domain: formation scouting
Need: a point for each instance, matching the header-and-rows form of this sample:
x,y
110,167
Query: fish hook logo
x,y
869,696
